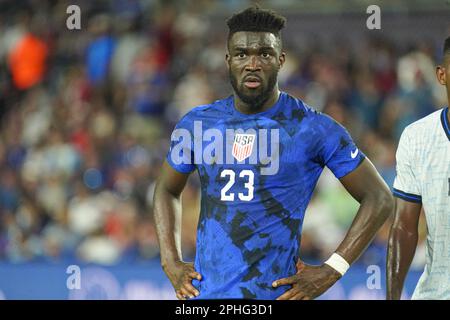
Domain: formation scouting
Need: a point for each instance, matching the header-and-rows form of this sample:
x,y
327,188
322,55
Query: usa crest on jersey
x,y
243,146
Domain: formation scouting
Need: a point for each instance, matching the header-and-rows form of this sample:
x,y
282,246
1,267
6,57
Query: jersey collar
x,y
445,122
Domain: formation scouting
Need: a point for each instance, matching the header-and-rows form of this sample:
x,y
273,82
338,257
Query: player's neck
x,y
248,109
448,113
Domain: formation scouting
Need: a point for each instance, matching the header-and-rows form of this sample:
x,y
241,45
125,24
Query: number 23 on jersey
x,y
248,178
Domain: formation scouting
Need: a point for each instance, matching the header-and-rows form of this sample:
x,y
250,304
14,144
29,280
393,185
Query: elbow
x,y
383,204
386,204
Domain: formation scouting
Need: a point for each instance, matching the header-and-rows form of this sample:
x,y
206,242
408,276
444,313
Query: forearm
x,y
401,249
167,213
372,213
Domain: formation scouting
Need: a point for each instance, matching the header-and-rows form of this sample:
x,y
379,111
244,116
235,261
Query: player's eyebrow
x,y
239,48
264,48
267,48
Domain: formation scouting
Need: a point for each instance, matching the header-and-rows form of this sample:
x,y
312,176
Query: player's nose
x,y
253,64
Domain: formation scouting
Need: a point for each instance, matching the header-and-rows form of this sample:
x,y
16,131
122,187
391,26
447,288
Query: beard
x,y
262,94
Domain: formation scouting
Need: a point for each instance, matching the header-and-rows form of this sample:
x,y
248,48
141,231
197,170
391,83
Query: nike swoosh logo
x,y
354,153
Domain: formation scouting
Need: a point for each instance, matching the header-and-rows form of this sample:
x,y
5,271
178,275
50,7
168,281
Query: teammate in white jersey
x,y
423,181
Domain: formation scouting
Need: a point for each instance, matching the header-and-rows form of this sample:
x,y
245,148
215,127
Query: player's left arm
x,y
376,204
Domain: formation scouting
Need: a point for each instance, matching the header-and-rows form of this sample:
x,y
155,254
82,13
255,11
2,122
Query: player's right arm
x,y
401,246
404,231
167,213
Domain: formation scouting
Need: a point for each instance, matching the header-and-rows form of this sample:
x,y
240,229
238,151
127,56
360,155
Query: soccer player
x,y
423,181
259,154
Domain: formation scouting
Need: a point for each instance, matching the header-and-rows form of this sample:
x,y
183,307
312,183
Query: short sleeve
x,y
406,185
339,153
181,155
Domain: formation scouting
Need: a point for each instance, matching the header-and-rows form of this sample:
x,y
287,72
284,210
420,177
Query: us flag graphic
x,y
243,146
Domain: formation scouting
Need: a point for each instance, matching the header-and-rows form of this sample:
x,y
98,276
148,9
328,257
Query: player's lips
x,y
252,82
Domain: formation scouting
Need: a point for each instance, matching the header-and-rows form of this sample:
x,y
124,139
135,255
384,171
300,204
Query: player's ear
x,y
282,58
440,75
227,59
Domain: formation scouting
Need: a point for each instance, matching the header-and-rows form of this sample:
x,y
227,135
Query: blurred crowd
x,y
86,117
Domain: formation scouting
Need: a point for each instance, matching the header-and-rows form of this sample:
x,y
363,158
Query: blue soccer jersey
x,y
257,175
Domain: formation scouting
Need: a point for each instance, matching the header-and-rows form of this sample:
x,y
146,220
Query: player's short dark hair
x,y
446,46
256,19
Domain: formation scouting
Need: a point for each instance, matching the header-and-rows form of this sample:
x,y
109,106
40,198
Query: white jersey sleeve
x,y
406,183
